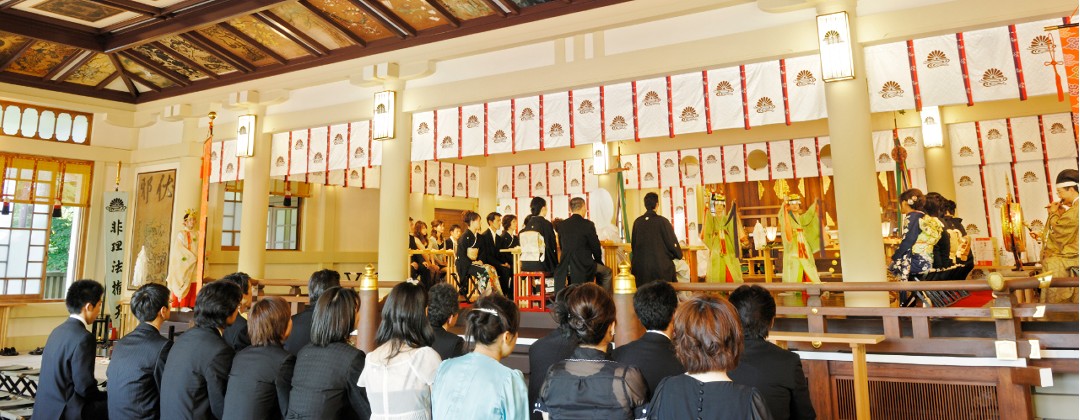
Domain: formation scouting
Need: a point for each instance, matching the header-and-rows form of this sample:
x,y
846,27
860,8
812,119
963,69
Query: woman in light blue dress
x,y
476,385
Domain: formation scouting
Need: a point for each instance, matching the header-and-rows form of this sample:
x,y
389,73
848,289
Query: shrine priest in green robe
x,y
721,236
801,234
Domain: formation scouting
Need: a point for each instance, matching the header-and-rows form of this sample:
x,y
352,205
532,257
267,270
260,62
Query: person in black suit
x,y
442,314
776,373
261,376
469,267
139,358
490,246
536,222
237,333
508,238
66,385
654,245
301,322
557,346
582,260
197,372
330,367
452,240
654,353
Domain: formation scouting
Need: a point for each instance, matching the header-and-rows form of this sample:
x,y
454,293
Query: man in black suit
x,y
197,372
548,350
442,314
582,260
654,245
452,240
237,333
66,386
776,373
301,322
489,243
138,359
653,354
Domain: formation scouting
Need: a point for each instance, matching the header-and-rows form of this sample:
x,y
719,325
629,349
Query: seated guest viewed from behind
x,y
653,354
197,372
708,341
237,333
261,375
558,345
776,373
442,315
588,384
399,372
476,385
301,323
139,358
66,385
324,386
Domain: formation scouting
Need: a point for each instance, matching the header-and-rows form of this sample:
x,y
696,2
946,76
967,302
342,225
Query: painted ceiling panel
x,y
416,13
467,9
191,52
40,58
237,46
351,17
305,21
268,37
169,62
93,72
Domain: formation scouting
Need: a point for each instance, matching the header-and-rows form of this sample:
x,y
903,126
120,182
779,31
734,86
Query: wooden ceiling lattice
x,y
143,50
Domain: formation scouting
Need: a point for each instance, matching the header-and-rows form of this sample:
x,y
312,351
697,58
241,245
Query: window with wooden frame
x,y
282,221
44,123
42,224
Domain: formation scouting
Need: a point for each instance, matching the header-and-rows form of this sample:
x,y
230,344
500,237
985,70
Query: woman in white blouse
x,y
399,372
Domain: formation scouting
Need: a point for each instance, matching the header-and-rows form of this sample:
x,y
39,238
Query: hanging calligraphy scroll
x,y
115,215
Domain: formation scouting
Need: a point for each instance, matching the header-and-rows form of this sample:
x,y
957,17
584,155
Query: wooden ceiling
x,y
142,50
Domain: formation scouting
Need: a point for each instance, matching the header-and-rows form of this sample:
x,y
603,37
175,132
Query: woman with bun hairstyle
x,y
476,385
589,384
915,254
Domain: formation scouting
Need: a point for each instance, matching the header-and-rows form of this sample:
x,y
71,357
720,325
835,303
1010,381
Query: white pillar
x,y
256,203
394,193
854,175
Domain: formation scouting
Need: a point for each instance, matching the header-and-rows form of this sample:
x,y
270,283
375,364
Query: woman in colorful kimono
x,y
469,267
721,227
914,257
801,232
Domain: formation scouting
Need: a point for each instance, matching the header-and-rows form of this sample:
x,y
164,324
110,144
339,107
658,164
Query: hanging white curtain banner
x,y
446,179
339,147
556,172
279,154
423,136
362,133
461,180
990,64
806,90
631,177
941,79
230,164
299,163
995,141
431,176
883,145
446,131
617,112
372,177
824,159
725,98
970,205
669,169
556,120
780,160
652,108
472,130
1026,140
505,180
522,176
1030,178
560,206
806,161
360,157
690,167
911,140
757,161
918,178
1060,140
115,246
650,170
317,159
522,208
888,77
509,206
499,136
678,213
712,165
765,94
1034,45
734,161
473,183
688,103
592,181
965,144
215,161
418,178
539,180
526,123
575,178
586,113
668,210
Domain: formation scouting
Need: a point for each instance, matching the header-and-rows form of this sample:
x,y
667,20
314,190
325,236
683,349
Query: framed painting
x,y
152,224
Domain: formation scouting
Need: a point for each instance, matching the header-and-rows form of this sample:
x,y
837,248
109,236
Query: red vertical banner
x,y
670,117
435,131
783,87
1012,147
348,162
513,126
745,104
964,67
978,136
708,105
460,137
633,94
542,126
913,66
603,118
570,111
1017,62
486,124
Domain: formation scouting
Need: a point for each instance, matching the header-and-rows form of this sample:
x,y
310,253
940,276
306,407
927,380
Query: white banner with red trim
x,y
556,120
617,110
298,162
319,150
526,121
941,78
472,130
1034,46
757,161
539,180
215,161
888,77
883,145
500,137
586,114
712,166
735,163
423,136
965,144
725,98
1060,139
688,103
669,169
431,178
991,69
575,177
806,157
911,141
969,199
649,170
630,173
780,163
418,178
994,139
338,158
805,89
1026,139
690,167
522,176
556,172
765,94
653,114
505,182
446,133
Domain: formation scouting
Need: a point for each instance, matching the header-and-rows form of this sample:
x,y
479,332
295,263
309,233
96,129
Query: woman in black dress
x,y
261,376
536,222
708,341
589,385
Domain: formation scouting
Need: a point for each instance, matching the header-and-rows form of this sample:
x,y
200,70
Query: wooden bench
x,y
858,343
15,407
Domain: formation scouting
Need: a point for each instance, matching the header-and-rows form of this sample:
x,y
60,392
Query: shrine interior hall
x,y
278,138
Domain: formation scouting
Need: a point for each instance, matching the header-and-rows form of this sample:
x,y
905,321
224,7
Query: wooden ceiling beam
x,y
133,6
71,88
221,53
174,54
123,75
19,52
157,68
107,80
194,16
10,4
295,35
130,24
446,14
385,17
136,78
80,55
45,30
73,69
333,22
498,10
249,40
